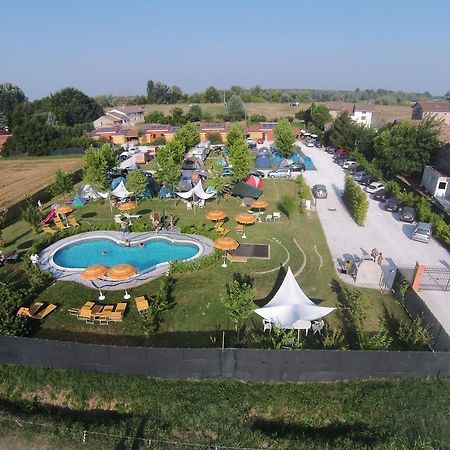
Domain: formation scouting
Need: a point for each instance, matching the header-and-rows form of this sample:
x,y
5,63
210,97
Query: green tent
x,y
242,190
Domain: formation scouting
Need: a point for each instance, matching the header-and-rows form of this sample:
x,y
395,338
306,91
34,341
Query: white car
x,y
347,164
280,173
374,187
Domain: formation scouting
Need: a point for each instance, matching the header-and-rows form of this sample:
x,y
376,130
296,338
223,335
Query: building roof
x,y
349,107
213,127
153,127
131,109
4,136
363,107
434,106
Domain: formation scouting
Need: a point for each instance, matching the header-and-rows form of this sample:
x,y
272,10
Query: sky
x,y
114,47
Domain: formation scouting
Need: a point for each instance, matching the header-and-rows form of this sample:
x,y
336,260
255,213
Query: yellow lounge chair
x,y
73,222
219,224
60,225
234,258
120,308
239,228
35,307
45,312
224,231
23,312
48,230
141,304
115,316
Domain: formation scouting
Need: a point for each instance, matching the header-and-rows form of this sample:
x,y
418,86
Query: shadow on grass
x,y
89,215
25,245
144,211
279,280
358,432
17,238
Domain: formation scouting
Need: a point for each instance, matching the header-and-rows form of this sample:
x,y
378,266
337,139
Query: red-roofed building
x,y
439,110
266,131
4,136
206,129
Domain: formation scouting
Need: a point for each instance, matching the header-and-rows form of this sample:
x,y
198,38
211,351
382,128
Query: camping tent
x,y
121,191
78,201
263,159
284,163
309,165
165,192
254,181
198,191
242,190
128,163
290,304
88,191
116,181
295,157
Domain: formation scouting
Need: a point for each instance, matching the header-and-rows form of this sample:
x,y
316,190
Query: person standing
x,y
374,254
40,205
380,259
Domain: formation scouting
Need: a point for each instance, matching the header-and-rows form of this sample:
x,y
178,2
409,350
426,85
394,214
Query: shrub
x,y
378,340
356,201
287,206
334,340
414,335
10,324
32,216
161,140
196,264
214,138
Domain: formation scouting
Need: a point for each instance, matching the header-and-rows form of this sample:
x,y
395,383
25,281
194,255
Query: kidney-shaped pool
x,y
84,253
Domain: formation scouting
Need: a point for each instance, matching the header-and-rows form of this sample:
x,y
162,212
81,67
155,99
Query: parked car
x,y
348,163
341,160
319,191
366,179
357,176
251,144
407,214
382,195
341,152
422,232
256,173
299,167
318,145
393,204
354,168
227,172
309,144
330,150
283,172
374,187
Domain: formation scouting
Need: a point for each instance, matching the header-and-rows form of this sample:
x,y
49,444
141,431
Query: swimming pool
x,y
84,253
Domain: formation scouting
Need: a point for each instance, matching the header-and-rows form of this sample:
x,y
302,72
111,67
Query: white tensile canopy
x,y
290,305
198,191
121,191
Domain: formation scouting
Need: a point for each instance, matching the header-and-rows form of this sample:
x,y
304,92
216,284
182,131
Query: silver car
x,y
319,191
283,172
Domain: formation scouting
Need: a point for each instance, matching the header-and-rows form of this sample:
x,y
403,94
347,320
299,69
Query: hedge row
x,y
356,201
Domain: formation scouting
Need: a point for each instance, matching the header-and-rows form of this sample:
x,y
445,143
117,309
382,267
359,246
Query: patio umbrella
x,y
122,272
95,272
259,204
216,214
246,219
64,209
225,243
126,206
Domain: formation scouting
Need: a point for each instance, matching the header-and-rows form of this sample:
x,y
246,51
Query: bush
x,y
334,340
161,140
214,138
10,324
287,206
196,264
356,201
32,216
414,335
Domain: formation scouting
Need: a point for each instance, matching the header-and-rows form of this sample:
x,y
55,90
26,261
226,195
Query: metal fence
x,y
435,279
232,363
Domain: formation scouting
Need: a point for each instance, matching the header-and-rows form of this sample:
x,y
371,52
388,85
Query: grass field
x,y
47,408
382,113
197,315
21,176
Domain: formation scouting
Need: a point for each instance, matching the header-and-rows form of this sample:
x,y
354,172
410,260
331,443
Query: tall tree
x,y
235,133
177,150
156,117
63,183
10,97
406,148
284,137
212,95
188,135
320,115
176,117
71,106
195,114
235,108
344,132
136,182
238,153
168,171
97,163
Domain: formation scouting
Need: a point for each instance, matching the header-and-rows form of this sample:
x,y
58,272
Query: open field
x,y
21,176
382,113
198,315
48,408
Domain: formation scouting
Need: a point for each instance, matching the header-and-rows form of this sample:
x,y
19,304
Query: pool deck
x,y
205,245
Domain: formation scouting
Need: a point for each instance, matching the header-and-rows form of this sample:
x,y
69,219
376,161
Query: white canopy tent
x,y
121,191
198,191
290,306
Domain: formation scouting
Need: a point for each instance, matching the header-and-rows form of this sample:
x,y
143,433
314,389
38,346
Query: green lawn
x,y
197,313
47,408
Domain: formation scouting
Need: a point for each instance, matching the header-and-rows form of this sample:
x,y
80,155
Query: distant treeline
x,y
160,93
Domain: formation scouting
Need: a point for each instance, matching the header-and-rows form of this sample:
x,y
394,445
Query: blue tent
x,y
295,157
116,181
277,158
165,192
78,201
308,163
263,161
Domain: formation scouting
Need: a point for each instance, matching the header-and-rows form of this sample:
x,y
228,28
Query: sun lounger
x,y
115,317
60,226
45,312
120,308
107,309
141,304
223,231
73,311
239,228
73,222
233,258
88,305
23,312
35,307
48,230
219,224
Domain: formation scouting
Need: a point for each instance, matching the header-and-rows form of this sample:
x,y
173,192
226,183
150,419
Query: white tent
x,y
88,191
198,191
121,191
290,305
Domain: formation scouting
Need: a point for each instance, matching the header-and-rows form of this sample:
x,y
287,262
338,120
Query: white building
x,y
121,115
435,182
360,113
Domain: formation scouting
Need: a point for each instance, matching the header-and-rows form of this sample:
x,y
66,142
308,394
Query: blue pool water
x,y
105,251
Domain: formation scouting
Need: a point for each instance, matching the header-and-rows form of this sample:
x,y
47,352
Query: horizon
x,y
326,46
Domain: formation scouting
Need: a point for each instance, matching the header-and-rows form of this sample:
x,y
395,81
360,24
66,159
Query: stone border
x,y
204,244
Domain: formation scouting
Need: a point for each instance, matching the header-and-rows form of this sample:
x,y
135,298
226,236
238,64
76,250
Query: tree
x,y
235,108
160,140
177,150
406,148
32,216
320,115
194,114
10,97
175,94
168,171
136,182
344,132
188,135
212,95
105,101
214,138
235,133
63,183
156,117
3,213
10,324
71,106
3,121
97,164
238,301
284,137
356,201
177,117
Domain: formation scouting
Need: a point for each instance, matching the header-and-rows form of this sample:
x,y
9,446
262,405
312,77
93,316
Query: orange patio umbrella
x,y
122,272
64,209
95,272
259,204
126,206
246,219
225,243
216,214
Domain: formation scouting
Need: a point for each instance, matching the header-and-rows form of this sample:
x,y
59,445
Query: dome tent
x,y
263,159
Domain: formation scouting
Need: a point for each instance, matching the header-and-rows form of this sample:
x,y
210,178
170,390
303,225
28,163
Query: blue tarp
x,y
277,158
308,163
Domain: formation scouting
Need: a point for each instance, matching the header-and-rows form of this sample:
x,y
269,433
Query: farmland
x,y
19,177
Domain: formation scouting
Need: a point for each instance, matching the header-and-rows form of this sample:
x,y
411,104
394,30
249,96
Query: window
x,y
363,117
442,185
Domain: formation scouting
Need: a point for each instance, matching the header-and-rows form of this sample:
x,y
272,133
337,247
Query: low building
x,y
263,131
435,183
110,120
360,113
206,129
149,132
439,110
